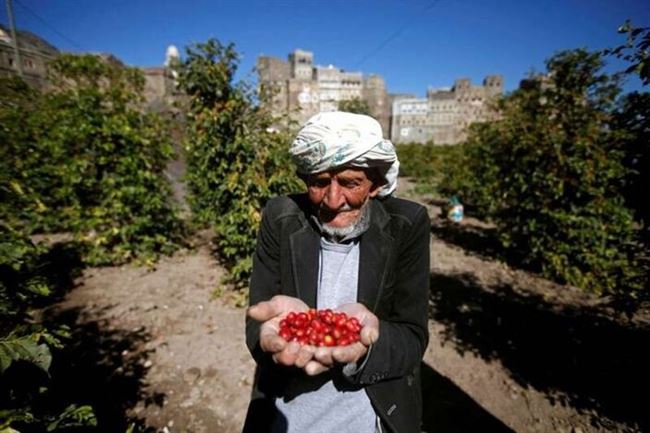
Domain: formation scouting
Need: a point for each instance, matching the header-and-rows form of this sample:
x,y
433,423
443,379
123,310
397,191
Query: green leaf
x,y
74,416
6,358
24,349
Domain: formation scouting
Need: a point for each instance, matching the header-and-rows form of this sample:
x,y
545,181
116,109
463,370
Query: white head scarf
x,y
335,139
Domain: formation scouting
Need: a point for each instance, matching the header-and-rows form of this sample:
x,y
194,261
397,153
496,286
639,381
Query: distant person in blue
x,y
346,244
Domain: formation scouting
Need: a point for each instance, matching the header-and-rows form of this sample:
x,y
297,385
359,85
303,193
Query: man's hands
x,y
313,360
282,351
355,351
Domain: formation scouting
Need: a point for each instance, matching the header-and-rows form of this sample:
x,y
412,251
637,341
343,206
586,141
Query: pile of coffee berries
x,y
320,328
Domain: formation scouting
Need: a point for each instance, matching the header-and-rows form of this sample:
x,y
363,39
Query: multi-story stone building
x,y
444,115
302,89
409,120
34,52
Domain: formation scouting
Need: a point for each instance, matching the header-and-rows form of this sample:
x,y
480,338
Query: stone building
x,y
34,52
375,94
444,115
409,120
302,89
161,92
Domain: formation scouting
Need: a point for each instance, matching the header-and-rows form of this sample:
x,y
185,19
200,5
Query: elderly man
x,y
349,245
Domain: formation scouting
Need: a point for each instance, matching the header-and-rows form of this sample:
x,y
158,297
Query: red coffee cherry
x,y
320,328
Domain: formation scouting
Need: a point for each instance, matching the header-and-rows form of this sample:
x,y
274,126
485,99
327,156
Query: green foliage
x,y
73,416
426,163
24,349
83,158
471,172
236,159
636,50
355,105
418,160
22,280
24,283
550,174
632,118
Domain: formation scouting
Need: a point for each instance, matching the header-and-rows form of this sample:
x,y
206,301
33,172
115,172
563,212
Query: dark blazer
x,y
393,284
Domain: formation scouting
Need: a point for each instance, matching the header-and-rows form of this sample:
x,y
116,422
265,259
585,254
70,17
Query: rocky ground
x,y
509,351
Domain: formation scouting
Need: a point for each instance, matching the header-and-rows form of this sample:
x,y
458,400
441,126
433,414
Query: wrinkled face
x,y
339,195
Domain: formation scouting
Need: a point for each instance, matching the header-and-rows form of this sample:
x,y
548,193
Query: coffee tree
x,y
635,51
633,118
355,105
550,173
83,158
28,279
236,158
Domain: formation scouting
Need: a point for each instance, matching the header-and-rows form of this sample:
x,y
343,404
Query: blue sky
x,y
413,44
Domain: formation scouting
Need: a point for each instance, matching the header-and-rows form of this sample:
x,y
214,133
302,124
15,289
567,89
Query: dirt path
x,y
508,352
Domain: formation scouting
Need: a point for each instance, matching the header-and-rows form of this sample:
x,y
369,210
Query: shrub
x,y
236,159
427,163
417,160
470,173
632,118
25,346
550,174
355,105
82,157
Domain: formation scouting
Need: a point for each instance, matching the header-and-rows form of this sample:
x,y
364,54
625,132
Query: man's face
x,y
339,195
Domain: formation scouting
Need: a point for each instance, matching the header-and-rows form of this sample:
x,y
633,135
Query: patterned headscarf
x,y
335,139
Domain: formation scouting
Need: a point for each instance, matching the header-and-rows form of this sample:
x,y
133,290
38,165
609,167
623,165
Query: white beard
x,y
337,234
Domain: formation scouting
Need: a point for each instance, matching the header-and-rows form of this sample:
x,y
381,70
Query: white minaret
x,y
172,58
